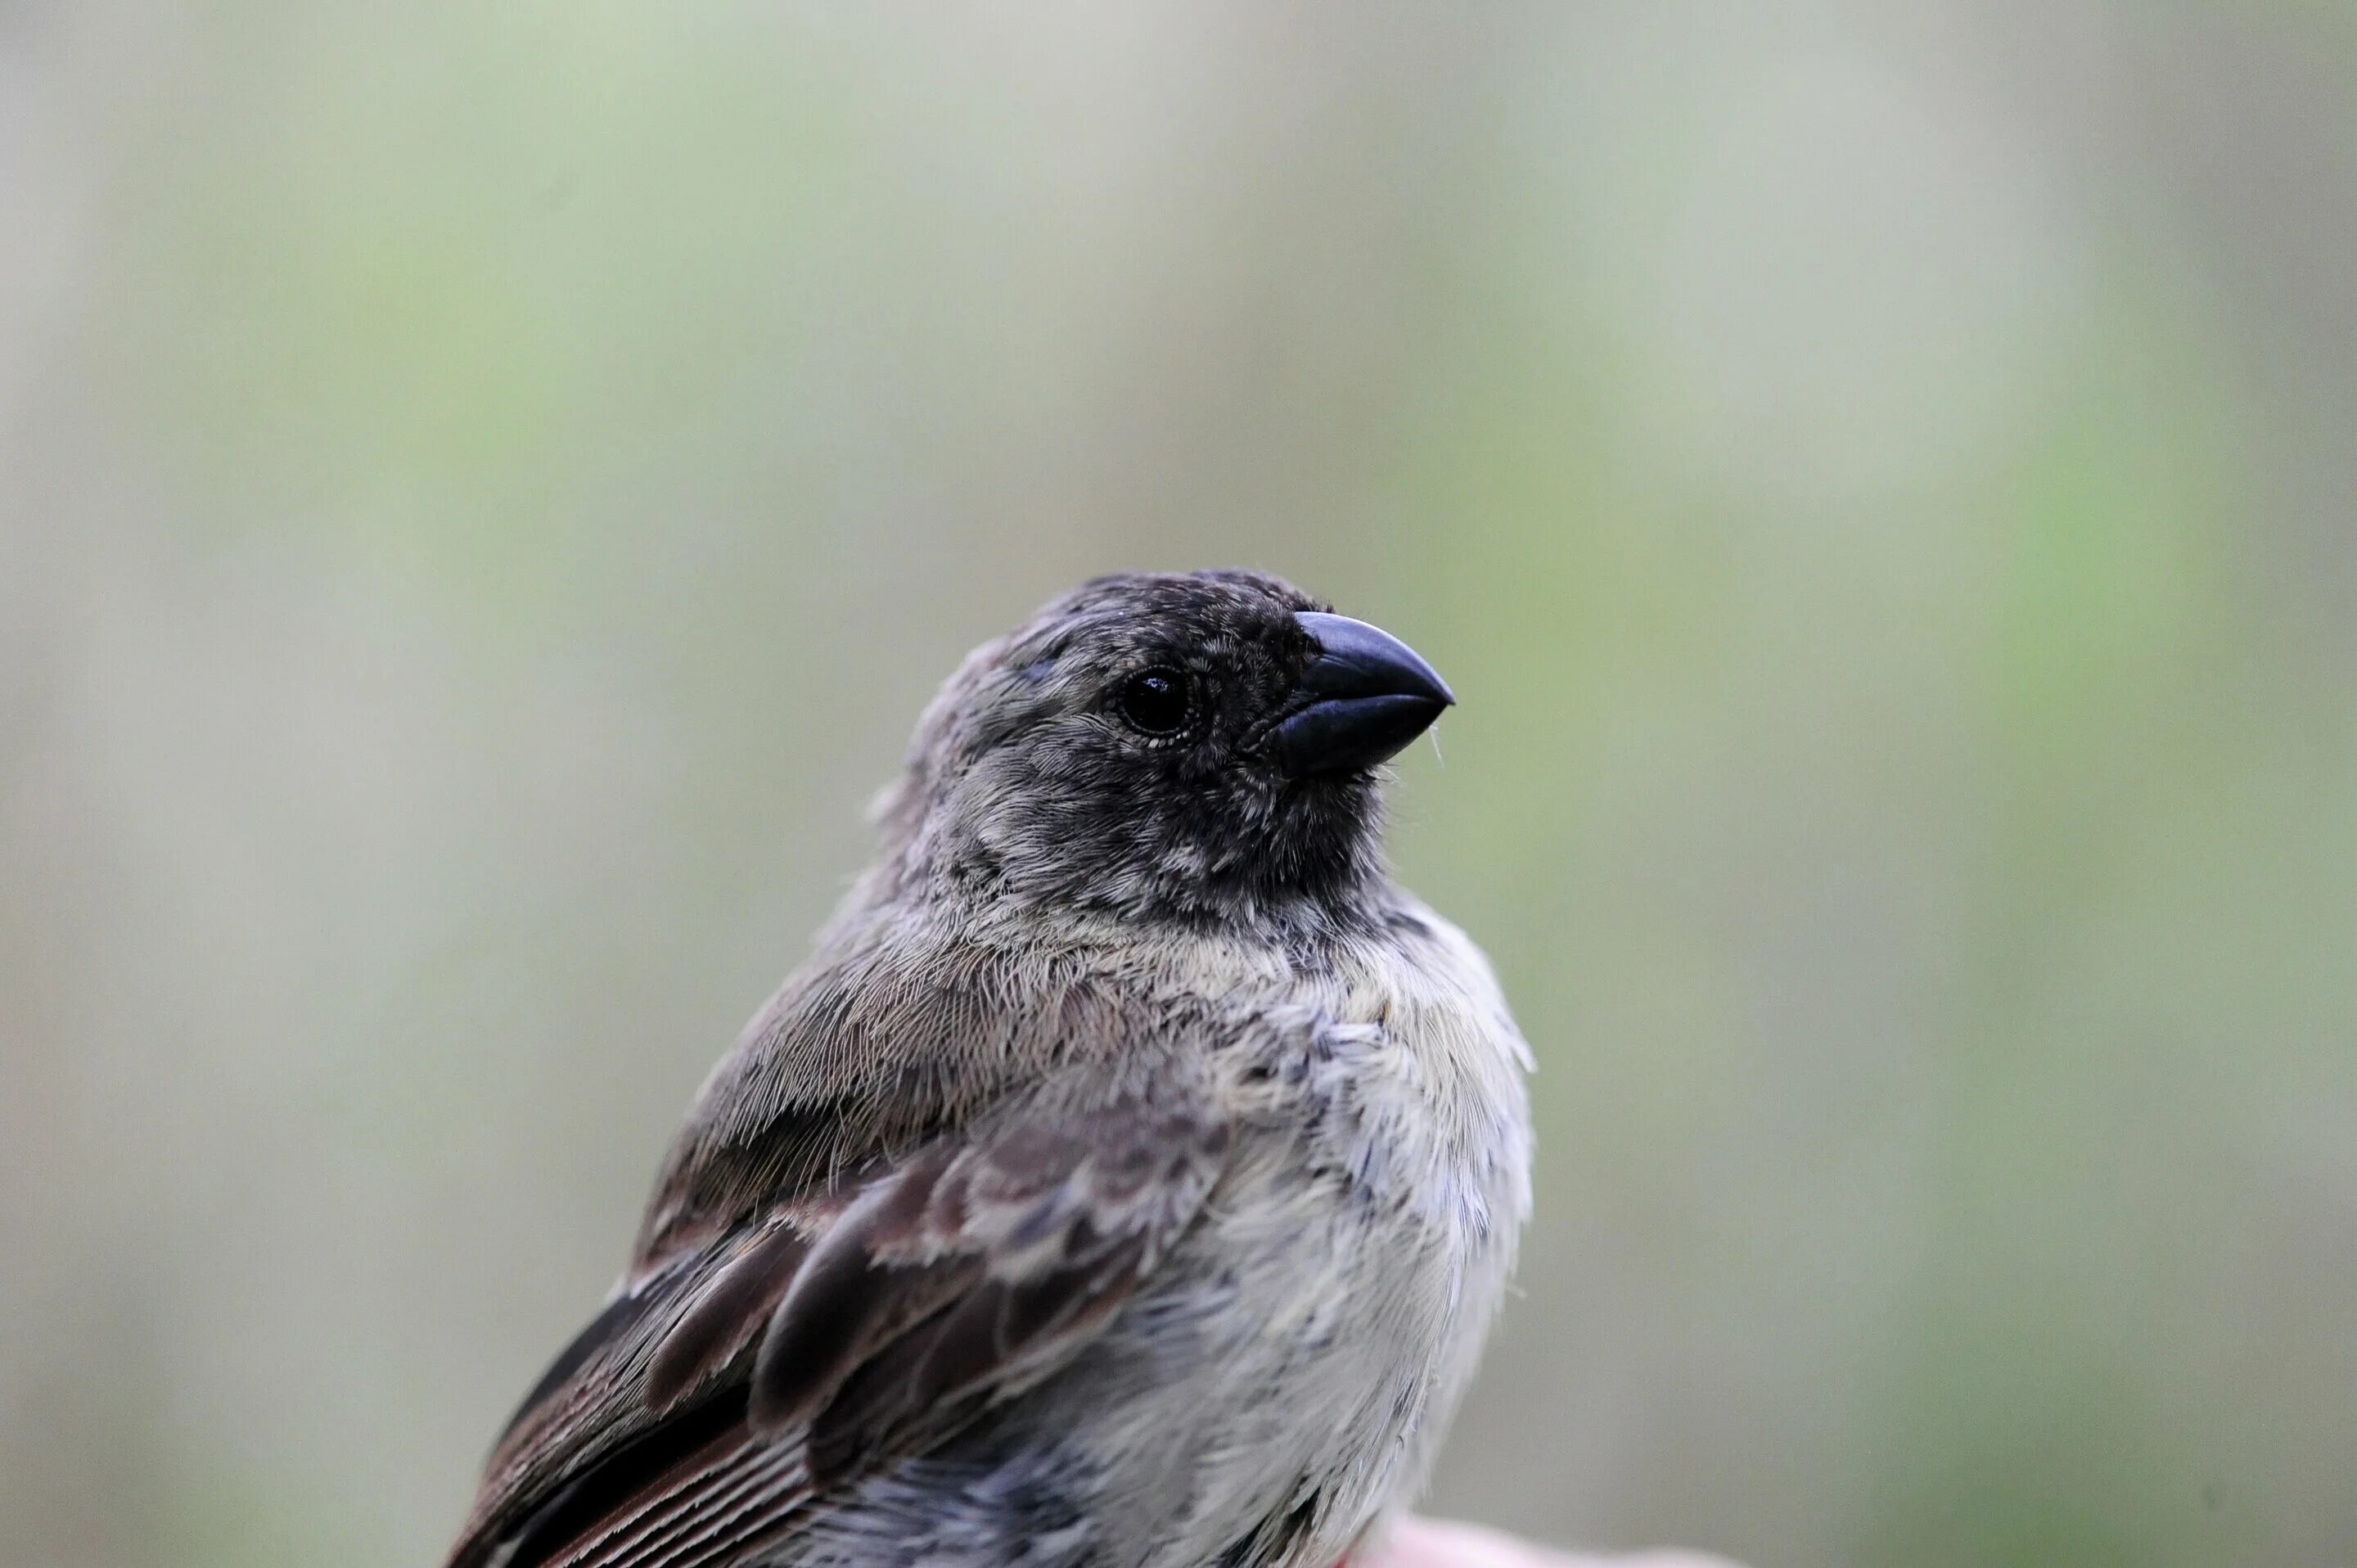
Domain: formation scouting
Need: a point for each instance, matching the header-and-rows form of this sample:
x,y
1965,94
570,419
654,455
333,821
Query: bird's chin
x,y
1336,790
1328,823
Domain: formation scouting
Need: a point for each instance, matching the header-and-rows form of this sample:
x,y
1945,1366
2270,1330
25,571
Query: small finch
x,y
1127,1181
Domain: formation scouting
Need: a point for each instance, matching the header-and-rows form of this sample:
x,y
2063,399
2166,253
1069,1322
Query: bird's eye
x,y
1155,701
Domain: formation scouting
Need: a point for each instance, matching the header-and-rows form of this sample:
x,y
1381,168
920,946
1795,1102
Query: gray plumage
x,y
1128,1180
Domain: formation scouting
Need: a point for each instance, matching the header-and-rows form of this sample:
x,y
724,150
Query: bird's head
x,y
1191,747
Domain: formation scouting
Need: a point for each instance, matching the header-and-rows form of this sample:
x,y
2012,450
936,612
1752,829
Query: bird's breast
x,y
1347,1270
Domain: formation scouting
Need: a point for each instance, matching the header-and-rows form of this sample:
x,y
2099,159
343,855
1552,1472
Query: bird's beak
x,y
1364,697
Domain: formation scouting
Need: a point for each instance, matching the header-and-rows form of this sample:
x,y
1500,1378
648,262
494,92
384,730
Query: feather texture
x,y
1127,1181
969,1269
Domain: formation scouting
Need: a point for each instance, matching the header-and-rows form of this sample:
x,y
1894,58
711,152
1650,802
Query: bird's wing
x,y
708,1409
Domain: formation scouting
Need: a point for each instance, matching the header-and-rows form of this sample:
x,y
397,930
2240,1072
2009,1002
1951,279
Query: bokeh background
x,y
485,489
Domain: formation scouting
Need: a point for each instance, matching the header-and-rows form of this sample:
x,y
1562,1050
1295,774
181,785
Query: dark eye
x,y
1155,701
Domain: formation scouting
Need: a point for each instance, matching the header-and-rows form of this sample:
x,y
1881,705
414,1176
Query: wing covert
x,y
806,1347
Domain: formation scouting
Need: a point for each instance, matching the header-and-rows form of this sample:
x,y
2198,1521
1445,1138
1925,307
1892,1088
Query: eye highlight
x,y
1157,702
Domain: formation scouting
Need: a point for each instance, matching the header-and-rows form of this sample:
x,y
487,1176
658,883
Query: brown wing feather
x,y
614,1320
983,1254
971,1269
937,1375
726,1315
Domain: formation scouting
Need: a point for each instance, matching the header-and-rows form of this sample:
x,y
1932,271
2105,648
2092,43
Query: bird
x,y
1129,1177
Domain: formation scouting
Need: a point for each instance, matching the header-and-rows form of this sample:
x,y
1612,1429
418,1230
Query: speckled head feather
x,y
1025,784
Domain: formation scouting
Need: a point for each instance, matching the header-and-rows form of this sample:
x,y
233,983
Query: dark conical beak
x,y
1364,697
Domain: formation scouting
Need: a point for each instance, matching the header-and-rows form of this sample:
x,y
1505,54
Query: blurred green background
x,y
485,490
